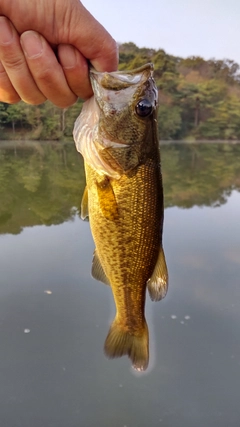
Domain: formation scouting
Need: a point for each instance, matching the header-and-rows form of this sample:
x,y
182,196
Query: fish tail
x,y
120,342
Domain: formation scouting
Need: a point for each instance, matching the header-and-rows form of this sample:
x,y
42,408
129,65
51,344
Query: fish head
x,y
121,114
127,102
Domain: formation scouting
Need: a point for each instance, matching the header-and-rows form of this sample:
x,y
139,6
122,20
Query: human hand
x,y
45,47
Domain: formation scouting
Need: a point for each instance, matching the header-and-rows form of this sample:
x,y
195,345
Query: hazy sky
x,y
208,28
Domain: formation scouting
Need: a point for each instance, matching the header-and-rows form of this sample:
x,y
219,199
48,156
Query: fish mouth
x,y
118,80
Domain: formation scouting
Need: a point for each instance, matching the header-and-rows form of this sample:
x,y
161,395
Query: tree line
x,y
198,100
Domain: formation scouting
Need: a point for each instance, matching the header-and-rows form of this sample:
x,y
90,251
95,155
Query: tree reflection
x,y
200,174
42,183
39,184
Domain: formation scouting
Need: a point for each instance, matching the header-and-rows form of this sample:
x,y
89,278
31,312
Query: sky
x,y
206,28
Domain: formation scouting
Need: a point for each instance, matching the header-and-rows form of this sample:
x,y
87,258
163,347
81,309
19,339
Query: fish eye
x,y
144,108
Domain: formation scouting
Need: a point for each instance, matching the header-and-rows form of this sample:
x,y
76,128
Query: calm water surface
x,y
54,317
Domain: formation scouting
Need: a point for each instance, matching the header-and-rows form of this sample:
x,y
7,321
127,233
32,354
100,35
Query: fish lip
x,y
117,80
148,66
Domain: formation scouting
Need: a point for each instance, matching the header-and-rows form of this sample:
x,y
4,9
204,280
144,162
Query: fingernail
x,y
67,56
32,44
6,31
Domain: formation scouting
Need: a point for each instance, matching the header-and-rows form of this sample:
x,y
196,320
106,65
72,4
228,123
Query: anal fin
x,y
158,282
97,270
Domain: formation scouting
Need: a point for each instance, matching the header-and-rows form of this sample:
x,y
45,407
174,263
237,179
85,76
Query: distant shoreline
x,y
17,143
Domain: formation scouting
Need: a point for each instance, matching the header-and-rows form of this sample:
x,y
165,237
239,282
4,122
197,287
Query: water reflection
x,y
57,375
42,183
39,184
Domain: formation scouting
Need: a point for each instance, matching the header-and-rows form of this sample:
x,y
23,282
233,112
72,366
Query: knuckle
x,y
13,62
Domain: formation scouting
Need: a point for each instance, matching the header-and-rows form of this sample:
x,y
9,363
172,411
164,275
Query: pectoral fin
x,y
97,270
84,204
107,200
158,282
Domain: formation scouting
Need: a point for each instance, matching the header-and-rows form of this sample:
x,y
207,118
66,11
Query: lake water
x,y
54,316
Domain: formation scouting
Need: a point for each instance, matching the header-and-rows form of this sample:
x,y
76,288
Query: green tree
x,y
169,121
198,99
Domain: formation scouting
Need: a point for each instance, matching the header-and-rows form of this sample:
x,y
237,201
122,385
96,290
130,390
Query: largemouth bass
x,y
116,133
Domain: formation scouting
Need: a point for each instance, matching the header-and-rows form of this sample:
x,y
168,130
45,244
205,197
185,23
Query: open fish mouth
x,y
118,87
118,80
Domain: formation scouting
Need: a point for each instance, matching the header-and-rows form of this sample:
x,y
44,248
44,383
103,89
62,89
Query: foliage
x,y
198,99
169,121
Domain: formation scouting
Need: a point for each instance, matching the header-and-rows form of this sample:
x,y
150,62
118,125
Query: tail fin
x,y
120,342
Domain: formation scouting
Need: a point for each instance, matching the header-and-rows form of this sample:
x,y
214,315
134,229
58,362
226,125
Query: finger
x,y
76,71
67,22
7,91
105,55
15,65
92,40
46,70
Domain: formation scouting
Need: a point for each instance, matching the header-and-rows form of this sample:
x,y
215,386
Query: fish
x,y
117,135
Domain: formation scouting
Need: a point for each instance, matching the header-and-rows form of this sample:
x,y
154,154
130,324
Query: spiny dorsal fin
x,y
84,204
158,282
107,200
97,270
